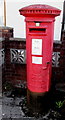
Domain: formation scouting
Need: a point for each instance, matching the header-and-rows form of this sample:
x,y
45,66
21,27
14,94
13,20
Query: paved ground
x,y
11,109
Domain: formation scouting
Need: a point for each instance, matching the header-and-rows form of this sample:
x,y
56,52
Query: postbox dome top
x,y
41,9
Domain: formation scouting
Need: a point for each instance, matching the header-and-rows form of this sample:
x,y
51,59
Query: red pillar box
x,y
39,45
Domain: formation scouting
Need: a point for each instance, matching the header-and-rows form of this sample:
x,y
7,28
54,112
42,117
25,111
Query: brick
x,y
15,72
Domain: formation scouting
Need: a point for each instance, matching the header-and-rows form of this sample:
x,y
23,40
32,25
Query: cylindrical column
x,y
39,45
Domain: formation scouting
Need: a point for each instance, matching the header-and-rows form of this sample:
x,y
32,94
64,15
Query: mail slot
x,y
37,30
39,45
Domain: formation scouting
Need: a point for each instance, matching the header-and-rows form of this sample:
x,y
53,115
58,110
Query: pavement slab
x,y
11,108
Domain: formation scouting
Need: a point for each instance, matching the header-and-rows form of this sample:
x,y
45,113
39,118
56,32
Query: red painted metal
x,y
39,45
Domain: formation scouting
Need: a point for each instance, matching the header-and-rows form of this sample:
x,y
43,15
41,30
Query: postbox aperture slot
x,y
37,30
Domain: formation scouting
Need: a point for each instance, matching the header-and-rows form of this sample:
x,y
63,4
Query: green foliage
x,y
59,104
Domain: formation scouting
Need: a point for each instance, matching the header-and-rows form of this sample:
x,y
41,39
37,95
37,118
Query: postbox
x,y
39,45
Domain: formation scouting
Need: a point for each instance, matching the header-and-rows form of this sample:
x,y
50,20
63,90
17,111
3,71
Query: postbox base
x,y
38,102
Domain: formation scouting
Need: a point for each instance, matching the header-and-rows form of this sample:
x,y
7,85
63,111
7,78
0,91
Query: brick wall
x,y
15,59
62,57
2,46
15,72
5,33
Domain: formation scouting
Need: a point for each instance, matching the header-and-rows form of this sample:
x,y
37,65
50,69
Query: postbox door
x,y
39,54
38,78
